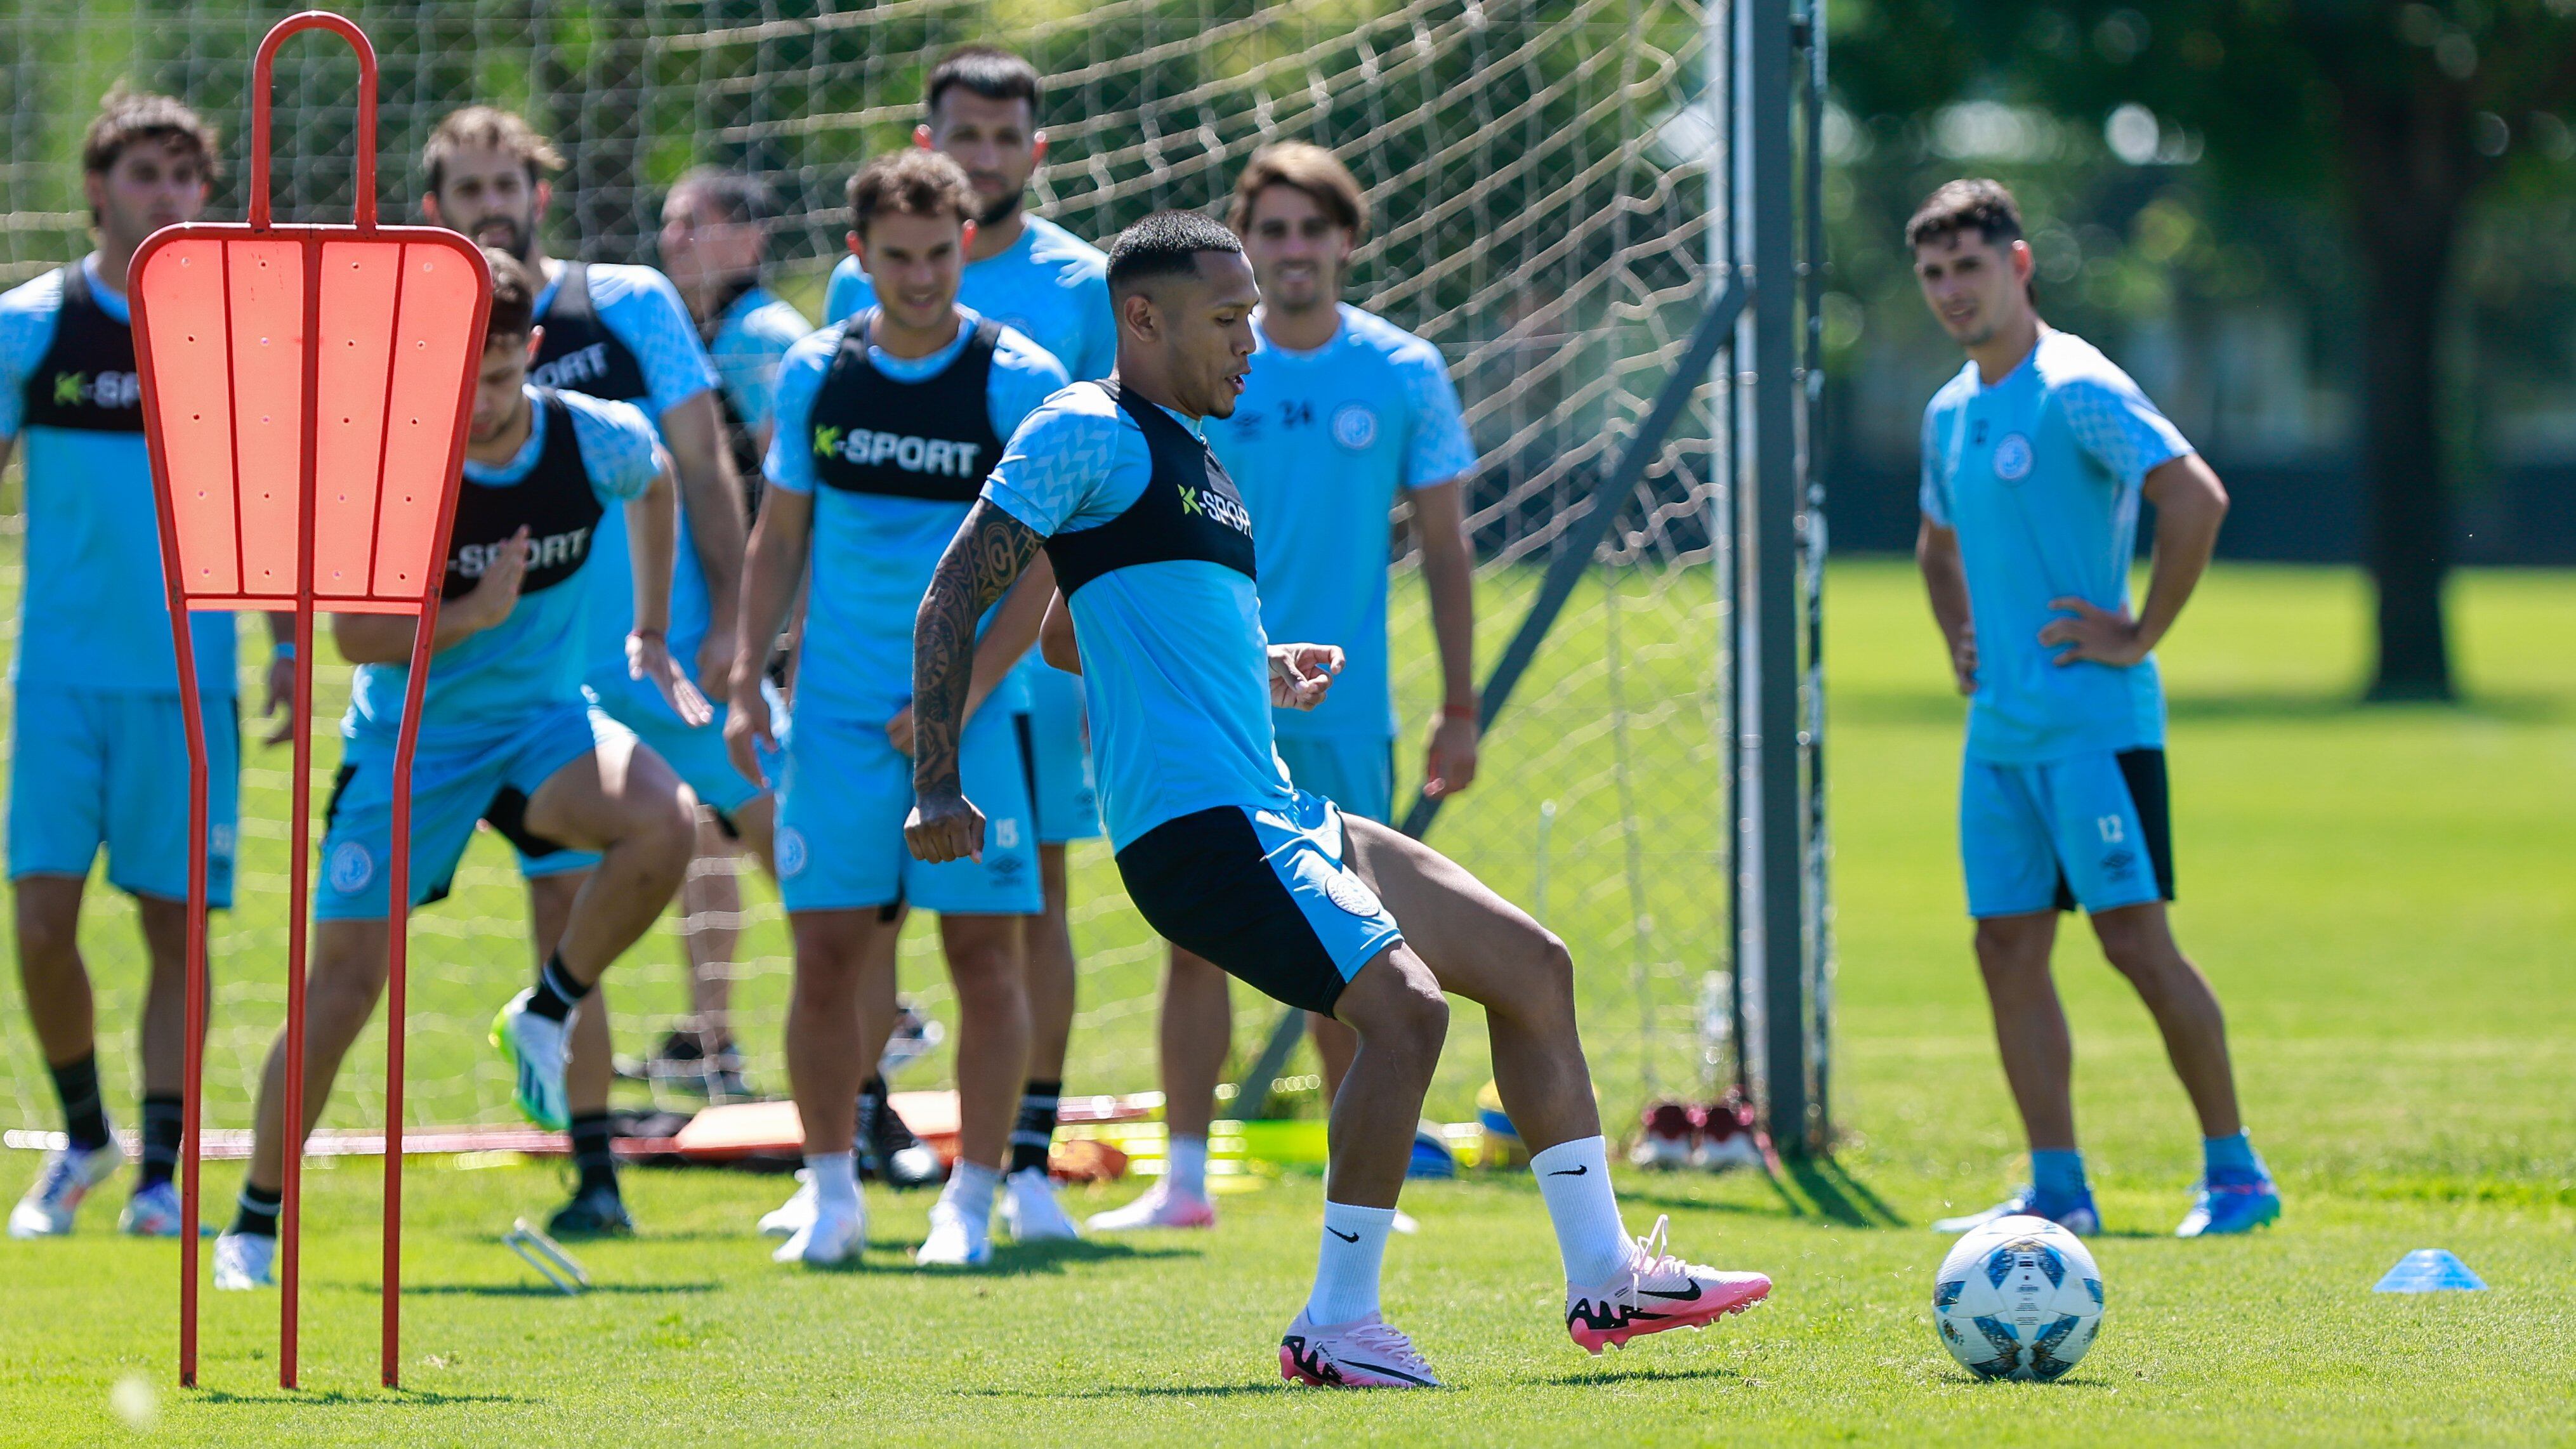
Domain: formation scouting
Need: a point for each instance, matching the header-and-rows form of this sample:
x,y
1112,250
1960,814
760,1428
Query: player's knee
x,y
45,937
1552,971
1411,1020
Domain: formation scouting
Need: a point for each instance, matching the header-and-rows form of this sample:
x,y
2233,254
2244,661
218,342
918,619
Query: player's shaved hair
x,y
514,300
127,117
488,128
987,70
739,196
1165,244
911,182
1971,203
1308,168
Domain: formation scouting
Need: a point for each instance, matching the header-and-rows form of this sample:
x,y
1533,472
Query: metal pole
x,y
1770,569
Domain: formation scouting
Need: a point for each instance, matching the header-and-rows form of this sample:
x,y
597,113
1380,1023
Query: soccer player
x,y
980,107
504,717
1152,550
1342,414
2035,458
715,239
619,333
887,424
101,749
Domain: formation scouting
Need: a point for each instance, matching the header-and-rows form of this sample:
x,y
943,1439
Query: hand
x,y
647,658
747,730
1301,673
945,826
2095,633
496,593
899,731
280,700
1963,660
1450,764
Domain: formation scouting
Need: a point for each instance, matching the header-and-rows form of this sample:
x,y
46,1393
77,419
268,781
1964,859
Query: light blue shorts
x,y
451,788
2091,831
697,756
108,768
844,794
1356,772
1068,801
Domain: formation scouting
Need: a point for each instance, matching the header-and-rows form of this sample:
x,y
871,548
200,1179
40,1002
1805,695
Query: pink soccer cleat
x,y
1365,1353
1160,1207
1659,1291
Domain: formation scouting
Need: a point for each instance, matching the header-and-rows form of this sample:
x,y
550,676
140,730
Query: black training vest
x,y
1189,510
579,353
86,379
930,439
555,503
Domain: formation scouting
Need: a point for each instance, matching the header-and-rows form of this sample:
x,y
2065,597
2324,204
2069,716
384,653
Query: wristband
x,y
1458,711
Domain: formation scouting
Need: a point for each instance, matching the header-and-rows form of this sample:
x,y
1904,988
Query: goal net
x,y
1547,185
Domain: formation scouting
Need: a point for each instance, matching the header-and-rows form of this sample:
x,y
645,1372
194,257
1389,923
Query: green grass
x,y
2381,896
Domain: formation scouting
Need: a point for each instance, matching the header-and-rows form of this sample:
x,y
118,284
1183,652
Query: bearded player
x,y
102,748
1152,551
980,108
502,715
618,333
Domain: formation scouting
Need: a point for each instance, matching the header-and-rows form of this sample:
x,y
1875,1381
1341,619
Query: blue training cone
x,y
2429,1270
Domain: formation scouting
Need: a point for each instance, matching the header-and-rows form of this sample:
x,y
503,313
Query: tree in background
x,y
2396,116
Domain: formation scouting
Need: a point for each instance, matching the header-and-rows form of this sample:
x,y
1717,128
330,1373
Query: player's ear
x,y
536,339
545,198
2021,261
966,237
858,251
1037,146
429,207
921,136
94,186
1136,312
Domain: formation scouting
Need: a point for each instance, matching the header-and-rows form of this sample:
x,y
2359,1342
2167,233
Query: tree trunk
x,y
2409,171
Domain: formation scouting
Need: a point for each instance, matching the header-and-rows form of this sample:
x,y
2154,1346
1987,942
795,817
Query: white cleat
x,y
1160,1207
1365,1353
1657,1293
1404,1223
834,1234
955,1241
1031,1210
794,1215
152,1213
242,1262
46,1211
536,1047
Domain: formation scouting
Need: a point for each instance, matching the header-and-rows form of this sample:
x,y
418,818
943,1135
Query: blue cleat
x,y
2076,1214
2230,1204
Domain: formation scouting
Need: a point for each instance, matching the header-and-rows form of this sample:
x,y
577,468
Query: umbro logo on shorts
x,y
2119,862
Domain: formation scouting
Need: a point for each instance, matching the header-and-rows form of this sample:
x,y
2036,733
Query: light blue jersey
x,y
1175,669
750,340
1050,286
2039,474
1320,444
642,310
93,611
873,555
488,685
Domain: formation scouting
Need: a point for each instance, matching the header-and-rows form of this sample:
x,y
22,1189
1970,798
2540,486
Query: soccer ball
x,y
2018,1298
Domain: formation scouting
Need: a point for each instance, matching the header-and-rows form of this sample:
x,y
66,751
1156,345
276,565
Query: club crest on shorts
x,y
790,849
1354,426
1349,892
2012,458
351,868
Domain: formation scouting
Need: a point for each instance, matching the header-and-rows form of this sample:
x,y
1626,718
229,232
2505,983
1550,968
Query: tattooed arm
x,y
986,557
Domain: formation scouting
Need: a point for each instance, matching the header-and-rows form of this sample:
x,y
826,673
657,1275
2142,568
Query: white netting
x,y
1542,181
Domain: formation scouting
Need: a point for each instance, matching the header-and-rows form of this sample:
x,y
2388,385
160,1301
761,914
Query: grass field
x,y
2381,895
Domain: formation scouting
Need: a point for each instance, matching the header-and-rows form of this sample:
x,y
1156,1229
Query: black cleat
x,y
594,1213
889,1153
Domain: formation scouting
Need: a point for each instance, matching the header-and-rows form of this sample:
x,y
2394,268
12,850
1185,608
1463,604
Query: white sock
x,y
1185,1167
835,1176
1574,1177
970,1192
1346,1270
